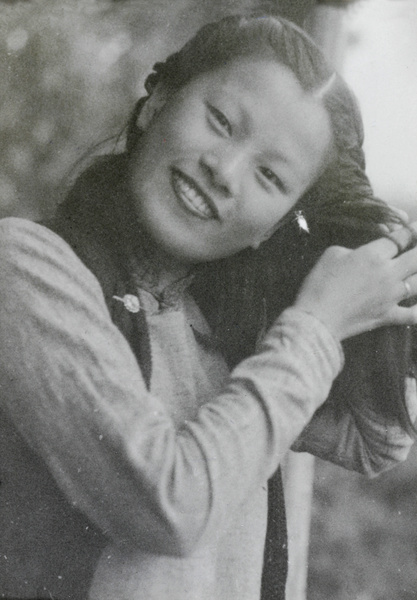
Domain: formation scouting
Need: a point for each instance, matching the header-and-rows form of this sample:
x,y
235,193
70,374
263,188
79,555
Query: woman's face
x,y
225,159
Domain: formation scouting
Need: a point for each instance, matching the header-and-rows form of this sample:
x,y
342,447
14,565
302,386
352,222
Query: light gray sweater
x,y
110,491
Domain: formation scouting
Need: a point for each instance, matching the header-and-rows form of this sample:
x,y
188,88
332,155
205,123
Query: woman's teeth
x,y
191,197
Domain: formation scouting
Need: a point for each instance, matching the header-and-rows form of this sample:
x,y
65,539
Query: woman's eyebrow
x,y
279,156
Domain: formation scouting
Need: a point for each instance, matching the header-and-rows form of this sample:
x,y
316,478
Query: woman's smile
x,y
191,196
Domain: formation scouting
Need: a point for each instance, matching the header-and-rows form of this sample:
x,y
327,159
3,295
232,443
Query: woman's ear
x,y
152,106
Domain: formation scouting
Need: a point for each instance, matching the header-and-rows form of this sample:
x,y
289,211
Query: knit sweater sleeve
x,y
72,387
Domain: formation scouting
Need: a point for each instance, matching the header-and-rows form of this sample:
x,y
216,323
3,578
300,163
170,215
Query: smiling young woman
x,y
173,332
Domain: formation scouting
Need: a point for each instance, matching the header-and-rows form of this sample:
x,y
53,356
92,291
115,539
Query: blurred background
x,y
70,71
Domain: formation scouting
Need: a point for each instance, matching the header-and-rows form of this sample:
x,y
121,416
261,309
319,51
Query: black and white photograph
x,y
208,300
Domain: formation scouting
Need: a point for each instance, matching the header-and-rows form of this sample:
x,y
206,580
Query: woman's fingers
x,y
387,228
404,237
408,288
403,215
385,247
401,315
397,242
405,265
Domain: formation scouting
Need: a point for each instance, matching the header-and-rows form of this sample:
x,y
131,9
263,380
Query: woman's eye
x,y
220,119
273,178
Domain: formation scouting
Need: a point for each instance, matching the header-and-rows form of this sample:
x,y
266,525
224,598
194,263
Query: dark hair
x,y
243,294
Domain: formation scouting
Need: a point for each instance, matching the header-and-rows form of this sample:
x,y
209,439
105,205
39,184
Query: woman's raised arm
x,y
73,389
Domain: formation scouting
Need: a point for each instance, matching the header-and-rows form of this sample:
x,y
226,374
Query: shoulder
x,y
22,236
15,230
34,257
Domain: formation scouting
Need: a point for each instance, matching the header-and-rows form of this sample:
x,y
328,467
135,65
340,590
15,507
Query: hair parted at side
x,y
243,294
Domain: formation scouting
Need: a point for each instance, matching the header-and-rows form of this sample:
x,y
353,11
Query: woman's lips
x,y
192,197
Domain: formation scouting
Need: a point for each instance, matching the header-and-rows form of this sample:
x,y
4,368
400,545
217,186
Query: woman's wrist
x,y
310,321
324,315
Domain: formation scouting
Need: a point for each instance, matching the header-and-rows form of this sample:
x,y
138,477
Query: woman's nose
x,y
223,168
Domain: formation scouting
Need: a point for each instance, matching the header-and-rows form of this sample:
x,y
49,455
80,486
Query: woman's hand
x,y
387,228
353,291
